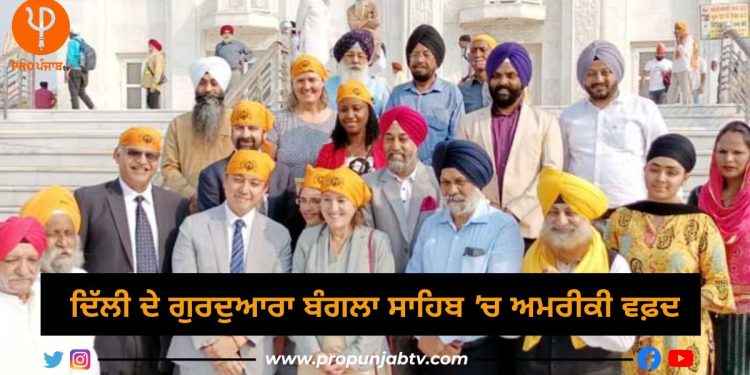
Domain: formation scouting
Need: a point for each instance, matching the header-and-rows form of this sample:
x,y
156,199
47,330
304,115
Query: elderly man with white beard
x,y
353,52
196,139
56,209
469,236
568,243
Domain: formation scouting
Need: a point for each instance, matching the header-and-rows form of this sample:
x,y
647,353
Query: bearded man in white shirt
x,y
607,135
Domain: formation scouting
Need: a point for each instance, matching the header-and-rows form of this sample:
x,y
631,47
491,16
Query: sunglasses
x,y
136,154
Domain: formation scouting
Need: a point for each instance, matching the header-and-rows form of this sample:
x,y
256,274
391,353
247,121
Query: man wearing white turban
x,y
198,138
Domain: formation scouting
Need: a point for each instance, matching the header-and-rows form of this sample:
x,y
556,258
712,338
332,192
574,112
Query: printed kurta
x,y
686,242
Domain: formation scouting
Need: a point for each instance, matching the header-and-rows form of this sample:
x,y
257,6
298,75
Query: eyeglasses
x,y
416,55
136,154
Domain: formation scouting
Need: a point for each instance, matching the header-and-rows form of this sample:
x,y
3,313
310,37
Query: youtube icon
x,y
680,358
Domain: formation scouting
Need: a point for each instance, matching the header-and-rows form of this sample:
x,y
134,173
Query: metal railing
x,y
267,81
734,72
17,88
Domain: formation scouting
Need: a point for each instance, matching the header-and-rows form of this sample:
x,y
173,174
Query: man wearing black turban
x,y
440,102
469,236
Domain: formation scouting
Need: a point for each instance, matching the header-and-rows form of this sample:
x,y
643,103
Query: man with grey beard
x,y
469,236
56,209
568,243
196,139
353,52
405,192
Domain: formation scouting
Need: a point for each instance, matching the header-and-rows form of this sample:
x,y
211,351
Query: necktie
x,y
237,264
144,241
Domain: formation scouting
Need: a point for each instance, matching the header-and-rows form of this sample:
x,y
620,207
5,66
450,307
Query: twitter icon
x,y
53,360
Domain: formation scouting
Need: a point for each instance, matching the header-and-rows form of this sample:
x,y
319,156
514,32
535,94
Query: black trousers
x,y
152,99
77,83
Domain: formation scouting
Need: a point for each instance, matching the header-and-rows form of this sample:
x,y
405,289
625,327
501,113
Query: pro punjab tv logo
x,y
40,27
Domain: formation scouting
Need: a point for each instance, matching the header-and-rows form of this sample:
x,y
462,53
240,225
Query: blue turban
x,y
466,156
518,57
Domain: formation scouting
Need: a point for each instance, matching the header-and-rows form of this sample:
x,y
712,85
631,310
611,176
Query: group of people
x,y
418,186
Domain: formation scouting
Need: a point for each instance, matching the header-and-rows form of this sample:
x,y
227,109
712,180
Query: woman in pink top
x,y
726,198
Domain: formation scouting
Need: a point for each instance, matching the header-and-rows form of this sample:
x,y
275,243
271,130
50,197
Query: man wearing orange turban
x,y
56,209
128,225
657,72
569,243
685,60
232,238
22,248
251,122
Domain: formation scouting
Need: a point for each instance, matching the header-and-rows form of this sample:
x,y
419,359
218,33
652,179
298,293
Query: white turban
x,y
215,66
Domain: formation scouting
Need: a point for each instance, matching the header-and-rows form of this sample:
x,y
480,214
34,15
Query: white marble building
x,y
552,30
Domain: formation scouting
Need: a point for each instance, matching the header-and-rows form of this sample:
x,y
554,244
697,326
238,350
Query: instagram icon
x,y
80,359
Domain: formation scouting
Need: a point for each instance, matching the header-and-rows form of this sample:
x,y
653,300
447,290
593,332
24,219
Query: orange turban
x,y
348,183
306,64
48,201
660,48
247,112
485,38
314,177
353,89
251,163
681,25
145,138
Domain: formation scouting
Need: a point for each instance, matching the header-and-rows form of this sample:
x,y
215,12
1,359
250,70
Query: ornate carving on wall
x,y
421,12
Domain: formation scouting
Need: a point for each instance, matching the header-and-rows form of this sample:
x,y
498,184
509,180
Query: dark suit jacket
x,y
281,190
105,239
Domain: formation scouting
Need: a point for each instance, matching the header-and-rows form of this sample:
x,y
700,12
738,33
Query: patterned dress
x,y
298,141
686,242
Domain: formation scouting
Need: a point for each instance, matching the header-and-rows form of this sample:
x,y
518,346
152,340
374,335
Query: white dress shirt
x,y
23,348
608,147
686,55
407,187
148,206
231,218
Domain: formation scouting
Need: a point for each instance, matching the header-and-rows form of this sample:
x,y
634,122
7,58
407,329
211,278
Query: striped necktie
x,y
237,264
145,252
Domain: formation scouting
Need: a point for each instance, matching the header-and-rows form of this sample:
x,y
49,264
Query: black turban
x,y
674,146
427,36
466,156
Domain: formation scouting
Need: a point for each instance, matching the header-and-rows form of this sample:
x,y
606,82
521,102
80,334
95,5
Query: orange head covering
x,y
681,26
306,64
348,183
251,163
49,201
248,112
314,177
485,38
142,137
353,89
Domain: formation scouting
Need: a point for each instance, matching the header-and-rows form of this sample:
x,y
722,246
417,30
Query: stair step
x,y
65,175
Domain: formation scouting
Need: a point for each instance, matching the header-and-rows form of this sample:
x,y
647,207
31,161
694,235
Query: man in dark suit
x,y
251,121
130,226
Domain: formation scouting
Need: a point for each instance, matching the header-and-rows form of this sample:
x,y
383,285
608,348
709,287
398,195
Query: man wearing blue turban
x,y
519,138
468,236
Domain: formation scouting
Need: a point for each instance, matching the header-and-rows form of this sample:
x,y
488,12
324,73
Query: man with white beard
x,y
469,236
353,53
196,139
568,243
56,209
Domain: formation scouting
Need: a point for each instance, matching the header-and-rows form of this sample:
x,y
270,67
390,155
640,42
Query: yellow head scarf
x,y
582,196
142,137
248,112
47,201
308,63
251,163
346,182
486,38
314,177
353,89
586,200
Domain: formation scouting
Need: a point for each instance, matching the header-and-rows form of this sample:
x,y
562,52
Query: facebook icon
x,y
649,358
